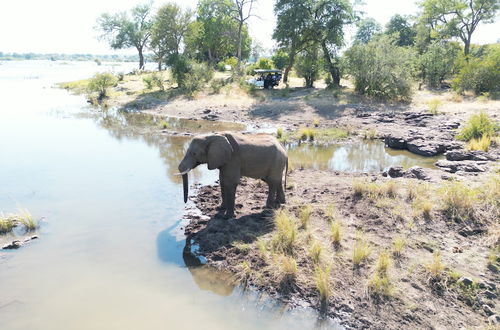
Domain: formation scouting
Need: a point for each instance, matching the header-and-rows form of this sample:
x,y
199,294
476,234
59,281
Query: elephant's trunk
x,y
185,185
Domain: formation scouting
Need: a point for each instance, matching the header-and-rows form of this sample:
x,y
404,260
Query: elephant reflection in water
x,y
206,277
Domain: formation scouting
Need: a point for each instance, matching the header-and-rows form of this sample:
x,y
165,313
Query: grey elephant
x,y
258,156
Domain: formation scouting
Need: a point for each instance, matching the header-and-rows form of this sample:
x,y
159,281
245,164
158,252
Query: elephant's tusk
x,y
182,173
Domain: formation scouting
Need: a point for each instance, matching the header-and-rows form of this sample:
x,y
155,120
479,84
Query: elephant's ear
x,y
219,151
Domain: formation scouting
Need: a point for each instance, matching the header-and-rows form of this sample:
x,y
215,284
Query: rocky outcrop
x,y
414,172
459,155
467,166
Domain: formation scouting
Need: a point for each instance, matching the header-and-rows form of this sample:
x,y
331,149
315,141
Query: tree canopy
x,y
401,26
367,28
127,30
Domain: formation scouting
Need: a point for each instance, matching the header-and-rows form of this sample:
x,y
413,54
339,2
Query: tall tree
x,y
305,22
401,25
123,30
169,27
367,28
459,18
242,11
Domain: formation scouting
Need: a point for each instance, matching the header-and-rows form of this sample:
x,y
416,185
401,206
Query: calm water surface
x,y
110,249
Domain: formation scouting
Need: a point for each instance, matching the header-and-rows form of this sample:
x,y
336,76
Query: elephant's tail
x,y
286,173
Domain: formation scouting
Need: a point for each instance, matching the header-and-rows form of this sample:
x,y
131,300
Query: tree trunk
x,y
159,65
467,45
289,67
332,68
141,58
238,66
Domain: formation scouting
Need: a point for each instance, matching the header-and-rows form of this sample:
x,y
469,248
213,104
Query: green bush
x,y
480,74
477,126
264,63
438,62
100,84
308,66
189,75
148,81
381,69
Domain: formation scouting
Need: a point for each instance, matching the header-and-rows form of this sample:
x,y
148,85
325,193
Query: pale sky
x,y
65,26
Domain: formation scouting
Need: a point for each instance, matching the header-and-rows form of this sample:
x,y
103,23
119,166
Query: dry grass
x,y
24,217
399,245
383,263
336,233
433,105
361,251
286,233
287,268
315,252
379,286
323,285
331,212
436,267
374,190
306,133
7,223
482,144
305,215
458,201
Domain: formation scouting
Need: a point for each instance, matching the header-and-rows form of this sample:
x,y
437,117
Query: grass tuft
x,y
7,223
306,133
383,263
27,220
336,232
379,285
305,215
361,251
315,252
434,105
436,267
482,144
458,201
398,246
323,285
477,126
286,233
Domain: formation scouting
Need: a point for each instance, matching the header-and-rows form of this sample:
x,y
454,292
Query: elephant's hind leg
x,y
271,197
281,194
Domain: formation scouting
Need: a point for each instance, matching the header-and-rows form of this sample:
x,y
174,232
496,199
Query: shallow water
x,y
365,156
110,249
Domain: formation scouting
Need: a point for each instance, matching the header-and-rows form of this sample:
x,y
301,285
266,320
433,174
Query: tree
x,y
301,23
438,62
280,59
309,66
122,30
214,35
459,18
401,26
169,27
242,11
367,28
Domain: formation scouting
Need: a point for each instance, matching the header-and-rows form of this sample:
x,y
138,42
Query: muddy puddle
x,y
364,156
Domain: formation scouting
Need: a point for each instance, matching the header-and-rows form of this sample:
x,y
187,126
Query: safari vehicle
x,y
266,78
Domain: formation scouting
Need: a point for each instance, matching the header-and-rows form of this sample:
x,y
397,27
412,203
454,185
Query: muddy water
x,y
367,156
110,249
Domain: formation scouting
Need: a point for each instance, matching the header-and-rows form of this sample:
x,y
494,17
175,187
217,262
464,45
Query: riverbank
x,y
413,247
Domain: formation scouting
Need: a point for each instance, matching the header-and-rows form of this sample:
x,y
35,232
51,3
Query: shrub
x,y
189,75
381,69
308,66
477,126
280,59
264,63
100,84
480,74
438,62
148,81
216,85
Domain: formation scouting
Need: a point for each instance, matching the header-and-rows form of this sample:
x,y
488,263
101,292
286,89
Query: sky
x,y
64,26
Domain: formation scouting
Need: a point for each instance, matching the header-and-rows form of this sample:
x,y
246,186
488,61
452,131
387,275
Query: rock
x,y
13,245
465,281
477,155
488,310
494,319
207,111
395,142
462,166
418,173
396,171
490,295
425,147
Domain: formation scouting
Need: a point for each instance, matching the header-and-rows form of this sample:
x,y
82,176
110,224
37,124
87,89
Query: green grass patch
x,y
286,233
477,126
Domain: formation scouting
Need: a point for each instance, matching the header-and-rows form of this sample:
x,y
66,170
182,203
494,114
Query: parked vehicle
x,y
266,78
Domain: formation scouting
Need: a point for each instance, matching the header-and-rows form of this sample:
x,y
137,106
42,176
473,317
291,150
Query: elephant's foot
x,y
229,215
221,207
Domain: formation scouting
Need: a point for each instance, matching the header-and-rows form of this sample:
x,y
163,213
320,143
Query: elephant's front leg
x,y
230,193
222,192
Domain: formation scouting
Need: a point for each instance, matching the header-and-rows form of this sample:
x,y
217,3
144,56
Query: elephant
x,y
258,156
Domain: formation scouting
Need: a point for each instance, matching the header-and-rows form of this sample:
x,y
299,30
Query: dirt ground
x,y
244,245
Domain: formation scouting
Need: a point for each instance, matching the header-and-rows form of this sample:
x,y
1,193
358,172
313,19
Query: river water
x,y
110,249
109,254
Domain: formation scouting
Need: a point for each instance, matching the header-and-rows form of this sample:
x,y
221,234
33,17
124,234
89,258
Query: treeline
x,y
432,47
67,57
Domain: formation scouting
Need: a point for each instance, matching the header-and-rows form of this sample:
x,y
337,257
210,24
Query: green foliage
x,y
189,75
7,223
401,27
154,80
126,30
480,74
169,27
264,63
477,126
381,69
367,28
438,62
309,66
280,59
434,105
458,18
100,84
